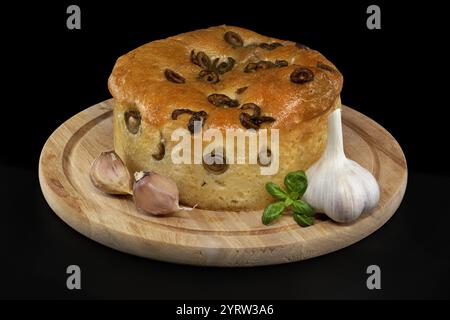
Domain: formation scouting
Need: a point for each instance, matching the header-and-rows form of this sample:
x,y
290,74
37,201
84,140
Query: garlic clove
x,y
337,186
110,175
155,194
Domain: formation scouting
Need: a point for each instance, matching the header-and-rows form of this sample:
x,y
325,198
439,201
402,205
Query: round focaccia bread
x,y
226,78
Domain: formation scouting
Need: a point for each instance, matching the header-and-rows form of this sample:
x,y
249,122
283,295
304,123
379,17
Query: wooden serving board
x,y
202,237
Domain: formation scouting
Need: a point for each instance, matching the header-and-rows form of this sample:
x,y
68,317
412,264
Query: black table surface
x,y
411,250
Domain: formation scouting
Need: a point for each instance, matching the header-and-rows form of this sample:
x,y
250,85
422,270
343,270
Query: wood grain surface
x,y
202,237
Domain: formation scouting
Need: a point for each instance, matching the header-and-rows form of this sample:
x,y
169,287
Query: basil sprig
x,y
296,183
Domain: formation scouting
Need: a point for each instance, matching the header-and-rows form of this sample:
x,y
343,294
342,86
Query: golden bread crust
x,y
300,110
138,79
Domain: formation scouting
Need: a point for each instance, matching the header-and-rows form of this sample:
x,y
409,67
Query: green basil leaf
x,y
276,191
303,220
303,208
296,183
272,212
288,202
294,195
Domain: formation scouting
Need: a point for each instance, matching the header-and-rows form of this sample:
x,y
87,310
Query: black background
x,y
395,75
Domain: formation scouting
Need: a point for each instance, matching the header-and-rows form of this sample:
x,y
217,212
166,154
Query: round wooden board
x,y
202,237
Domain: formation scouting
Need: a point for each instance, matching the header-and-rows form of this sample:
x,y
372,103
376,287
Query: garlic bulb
x,y
110,175
340,187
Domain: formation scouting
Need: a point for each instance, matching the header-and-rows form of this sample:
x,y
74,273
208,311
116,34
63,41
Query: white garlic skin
x,y
155,194
337,186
